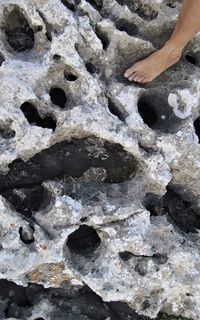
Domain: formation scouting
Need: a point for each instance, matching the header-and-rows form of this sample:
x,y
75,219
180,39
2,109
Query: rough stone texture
x,y
99,177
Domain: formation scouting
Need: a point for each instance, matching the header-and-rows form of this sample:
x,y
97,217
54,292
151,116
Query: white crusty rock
x,y
99,177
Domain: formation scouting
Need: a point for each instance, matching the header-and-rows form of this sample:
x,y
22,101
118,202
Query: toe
x,y
137,78
129,72
131,78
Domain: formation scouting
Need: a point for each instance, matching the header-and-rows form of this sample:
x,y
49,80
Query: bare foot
x,y
151,67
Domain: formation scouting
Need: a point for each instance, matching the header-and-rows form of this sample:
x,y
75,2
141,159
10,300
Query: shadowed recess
x,y
197,127
2,59
91,68
69,4
26,234
115,110
96,4
58,97
84,241
193,58
103,37
143,10
70,74
18,32
76,303
156,112
27,201
129,27
7,133
125,255
181,212
71,159
33,117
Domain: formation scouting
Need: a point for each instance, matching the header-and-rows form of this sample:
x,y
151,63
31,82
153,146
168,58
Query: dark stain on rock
x,y
71,159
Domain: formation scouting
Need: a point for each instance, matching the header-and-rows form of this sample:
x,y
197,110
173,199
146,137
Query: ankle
x,y
173,47
173,50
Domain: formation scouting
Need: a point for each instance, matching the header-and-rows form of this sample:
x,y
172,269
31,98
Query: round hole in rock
x,y
18,32
56,57
129,27
156,112
197,127
70,74
84,241
91,68
125,255
39,318
58,97
26,234
7,133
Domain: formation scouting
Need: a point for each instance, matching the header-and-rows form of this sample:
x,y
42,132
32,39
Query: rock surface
x,y
99,177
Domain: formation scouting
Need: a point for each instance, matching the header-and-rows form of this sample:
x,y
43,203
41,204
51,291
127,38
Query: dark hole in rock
x,y
33,117
26,234
70,75
128,27
115,110
122,311
197,127
141,268
39,28
125,255
156,112
7,133
69,5
56,57
84,219
180,212
49,36
191,59
147,113
97,4
84,241
121,2
2,59
159,258
154,204
91,68
72,159
58,97
77,304
18,32
103,37
171,5
27,201
145,305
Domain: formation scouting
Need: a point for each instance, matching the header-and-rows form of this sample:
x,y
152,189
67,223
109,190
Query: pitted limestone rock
x,y
99,177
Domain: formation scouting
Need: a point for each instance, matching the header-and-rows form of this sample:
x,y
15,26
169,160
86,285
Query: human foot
x,y
151,67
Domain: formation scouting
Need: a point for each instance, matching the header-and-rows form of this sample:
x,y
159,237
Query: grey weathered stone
x,y
99,177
